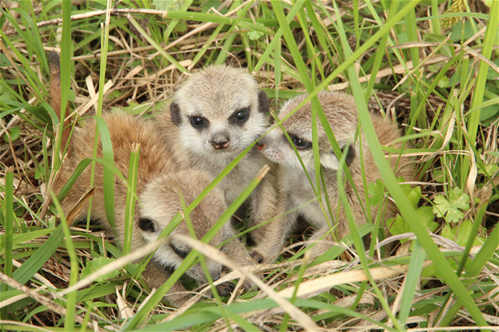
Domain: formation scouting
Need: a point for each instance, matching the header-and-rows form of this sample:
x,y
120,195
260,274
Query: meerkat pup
x,y
159,181
295,190
215,115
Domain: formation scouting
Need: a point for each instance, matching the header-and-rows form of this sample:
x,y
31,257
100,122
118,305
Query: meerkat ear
x,y
329,160
350,155
175,113
263,102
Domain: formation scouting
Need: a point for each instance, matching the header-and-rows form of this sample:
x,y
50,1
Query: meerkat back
x,y
124,130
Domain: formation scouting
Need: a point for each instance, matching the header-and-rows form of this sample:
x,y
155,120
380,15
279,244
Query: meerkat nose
x,y
220,141
260,146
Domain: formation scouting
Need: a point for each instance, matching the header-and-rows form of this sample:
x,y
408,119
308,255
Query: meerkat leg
x,y
156,276
323,238
238,253
263,203
272,241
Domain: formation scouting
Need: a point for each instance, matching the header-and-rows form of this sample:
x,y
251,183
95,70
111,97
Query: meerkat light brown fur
x,y
216,114
295,190
159,181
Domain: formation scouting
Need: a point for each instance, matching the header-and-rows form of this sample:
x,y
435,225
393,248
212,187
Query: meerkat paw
x,y
225,289
177,300
257,256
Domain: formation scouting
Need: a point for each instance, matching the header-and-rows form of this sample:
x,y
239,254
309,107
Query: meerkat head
x,y
160,203
220,111
341,113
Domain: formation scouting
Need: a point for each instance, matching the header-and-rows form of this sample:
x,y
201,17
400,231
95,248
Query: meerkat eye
x,y
197,121
240,115
300,143
147,225
182,253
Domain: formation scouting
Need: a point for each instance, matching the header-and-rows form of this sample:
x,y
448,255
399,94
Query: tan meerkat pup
x,y
215,115
294,187
159,181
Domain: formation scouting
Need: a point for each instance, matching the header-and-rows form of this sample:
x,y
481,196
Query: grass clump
x,y
431,66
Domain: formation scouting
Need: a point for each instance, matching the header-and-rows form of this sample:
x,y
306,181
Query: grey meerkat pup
x,y
216,114
159,181
294,187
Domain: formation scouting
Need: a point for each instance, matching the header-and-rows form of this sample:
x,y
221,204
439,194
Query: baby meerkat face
x,y
160,203
220,111
341,113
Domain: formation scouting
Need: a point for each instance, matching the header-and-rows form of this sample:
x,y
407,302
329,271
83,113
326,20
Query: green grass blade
x,y
411,282
489,43
8,223
73,278
108,177
65,72
40,257
130,197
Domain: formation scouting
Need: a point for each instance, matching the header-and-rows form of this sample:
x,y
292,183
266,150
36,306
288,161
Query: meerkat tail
x,y
55,93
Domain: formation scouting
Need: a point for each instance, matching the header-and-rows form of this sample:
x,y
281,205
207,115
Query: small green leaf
x,y
443,82
115,94
399,226
438,176
491,169
19,210
39,172
448,232
97,264
14,133
426,216
254,35
413,194
450,209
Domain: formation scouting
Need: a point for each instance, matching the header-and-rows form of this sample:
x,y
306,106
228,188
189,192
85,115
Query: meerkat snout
x,y
276,147
221,140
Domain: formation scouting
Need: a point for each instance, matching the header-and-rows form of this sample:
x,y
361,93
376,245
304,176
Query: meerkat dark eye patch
x,y
175,113
240,116
300,143
147,225
198,122
350,154
181,253
263,102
